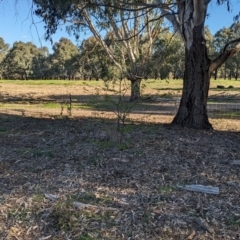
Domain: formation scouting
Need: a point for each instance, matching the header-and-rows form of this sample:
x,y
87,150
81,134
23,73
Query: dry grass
x,y
51,99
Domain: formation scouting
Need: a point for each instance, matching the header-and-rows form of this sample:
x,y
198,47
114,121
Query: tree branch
x,y
199,12
142,6
172,19
99,38
231,42
226,53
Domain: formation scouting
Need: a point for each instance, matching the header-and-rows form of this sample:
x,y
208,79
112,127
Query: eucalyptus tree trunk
x,y
135,74
135,90
215,74
237,70
192,111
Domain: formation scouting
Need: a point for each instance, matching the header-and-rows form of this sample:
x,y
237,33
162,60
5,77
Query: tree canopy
x,y
89,60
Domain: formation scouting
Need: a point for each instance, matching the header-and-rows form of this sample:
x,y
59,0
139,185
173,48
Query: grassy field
x,y
148,86
67,172
52,98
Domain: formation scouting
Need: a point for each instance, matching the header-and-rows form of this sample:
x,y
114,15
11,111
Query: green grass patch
x,y
91,198
40,152
150,83
51,105
123,146
165,189
103,144
83,106
3,129
38,197
163,84
85,236
66,217
53,82
233,221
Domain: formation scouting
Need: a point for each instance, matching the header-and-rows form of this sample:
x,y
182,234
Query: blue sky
x,y
16,22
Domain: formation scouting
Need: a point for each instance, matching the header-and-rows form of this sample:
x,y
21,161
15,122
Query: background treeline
x,y
90,61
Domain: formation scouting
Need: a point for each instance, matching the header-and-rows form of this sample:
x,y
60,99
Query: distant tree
x,y
209,38
3,51
38,63
221,38
63,52
212,52
168,56
94,61
18,61
48,71
73,66
3,48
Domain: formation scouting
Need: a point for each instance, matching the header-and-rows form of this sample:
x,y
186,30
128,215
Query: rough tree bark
x,y
135,90
135,75
192,111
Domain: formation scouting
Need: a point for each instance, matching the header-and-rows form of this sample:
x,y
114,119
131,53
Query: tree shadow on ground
x,y
47,165
218,107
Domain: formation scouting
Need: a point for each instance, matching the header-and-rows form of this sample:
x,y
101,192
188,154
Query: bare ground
x,y
76,178
50,168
